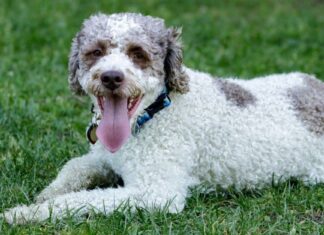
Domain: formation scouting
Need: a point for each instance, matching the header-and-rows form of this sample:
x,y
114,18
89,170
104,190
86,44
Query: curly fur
x,y
243,134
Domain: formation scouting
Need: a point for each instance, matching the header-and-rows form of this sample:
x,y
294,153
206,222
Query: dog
x,y
160,128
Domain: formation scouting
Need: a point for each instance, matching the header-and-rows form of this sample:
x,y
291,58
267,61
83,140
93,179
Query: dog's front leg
x,y
79,173
98,201
149,192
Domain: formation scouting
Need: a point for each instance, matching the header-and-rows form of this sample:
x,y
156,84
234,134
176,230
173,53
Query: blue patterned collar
x,y
160,103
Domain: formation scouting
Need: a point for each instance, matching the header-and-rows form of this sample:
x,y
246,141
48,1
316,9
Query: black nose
x,y
112,79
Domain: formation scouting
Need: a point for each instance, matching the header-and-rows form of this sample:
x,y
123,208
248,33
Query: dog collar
x,y
160,103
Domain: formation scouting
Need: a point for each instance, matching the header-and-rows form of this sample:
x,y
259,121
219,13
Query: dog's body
x,y
230,132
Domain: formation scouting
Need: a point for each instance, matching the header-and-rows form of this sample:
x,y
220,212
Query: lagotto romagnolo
x,y
226,132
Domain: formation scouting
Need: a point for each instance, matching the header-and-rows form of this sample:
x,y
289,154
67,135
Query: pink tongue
x,y
114,129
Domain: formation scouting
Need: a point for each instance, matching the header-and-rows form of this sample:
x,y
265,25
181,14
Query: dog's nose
x,y
112,79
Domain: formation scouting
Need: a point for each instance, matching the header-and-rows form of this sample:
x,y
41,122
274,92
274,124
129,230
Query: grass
x,y
42,125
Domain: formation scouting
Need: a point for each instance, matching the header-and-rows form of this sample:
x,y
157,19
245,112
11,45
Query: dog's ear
x,y
176,78
74,66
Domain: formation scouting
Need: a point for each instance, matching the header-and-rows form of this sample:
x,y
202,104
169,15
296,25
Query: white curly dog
x,y
227,132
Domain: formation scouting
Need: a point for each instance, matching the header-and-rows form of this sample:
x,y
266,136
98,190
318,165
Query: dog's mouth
x,y
132,103
114,127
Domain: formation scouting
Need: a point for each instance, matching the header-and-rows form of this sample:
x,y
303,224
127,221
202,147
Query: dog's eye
x,y
97,53
139,56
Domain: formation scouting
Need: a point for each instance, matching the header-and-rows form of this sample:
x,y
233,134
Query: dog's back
x,y
249,133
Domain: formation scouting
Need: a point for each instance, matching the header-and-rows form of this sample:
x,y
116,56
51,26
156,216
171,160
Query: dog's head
x,y
123,62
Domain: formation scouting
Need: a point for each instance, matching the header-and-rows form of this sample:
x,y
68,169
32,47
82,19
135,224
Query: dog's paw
x,y
47,194
42,197
26,214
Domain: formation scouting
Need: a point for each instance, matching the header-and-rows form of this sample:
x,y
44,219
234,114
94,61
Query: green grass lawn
x,y
42,125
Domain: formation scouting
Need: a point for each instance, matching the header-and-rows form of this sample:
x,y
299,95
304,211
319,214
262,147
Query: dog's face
x,y
123,62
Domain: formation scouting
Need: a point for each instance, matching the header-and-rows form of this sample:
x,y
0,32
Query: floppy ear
x,y
74,67
176,78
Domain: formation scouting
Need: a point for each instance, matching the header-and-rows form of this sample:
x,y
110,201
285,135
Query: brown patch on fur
x,y
235,93
308,102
